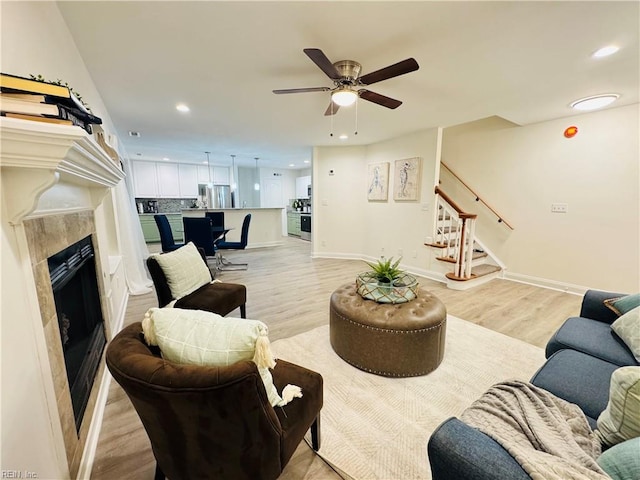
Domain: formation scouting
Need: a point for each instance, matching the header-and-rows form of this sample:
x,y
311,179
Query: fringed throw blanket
x,y
549,437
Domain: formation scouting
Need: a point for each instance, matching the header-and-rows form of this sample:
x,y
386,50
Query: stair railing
x,y
478,199
454,219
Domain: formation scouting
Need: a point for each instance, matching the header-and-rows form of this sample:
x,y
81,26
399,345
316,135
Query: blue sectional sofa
x,y
581,357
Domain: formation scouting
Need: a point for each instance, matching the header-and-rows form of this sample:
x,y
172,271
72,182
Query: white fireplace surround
x,y
52,171
43,162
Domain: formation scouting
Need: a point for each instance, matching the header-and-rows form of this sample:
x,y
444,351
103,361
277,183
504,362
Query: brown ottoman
x,y
401,340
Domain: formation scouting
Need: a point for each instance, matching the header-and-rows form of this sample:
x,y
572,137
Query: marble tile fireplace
x,y
46,237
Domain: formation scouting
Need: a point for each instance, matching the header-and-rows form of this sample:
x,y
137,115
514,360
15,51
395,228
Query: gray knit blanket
x,y
549,437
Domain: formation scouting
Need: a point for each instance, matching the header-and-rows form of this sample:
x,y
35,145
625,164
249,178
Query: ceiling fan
x,y
346,78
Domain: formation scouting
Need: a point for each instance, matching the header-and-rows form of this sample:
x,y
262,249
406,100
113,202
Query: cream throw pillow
x,y
627,327
620,421
185,270
196,337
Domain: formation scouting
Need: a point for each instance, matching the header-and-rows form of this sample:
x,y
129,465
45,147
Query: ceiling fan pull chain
x,y
356,129
331,133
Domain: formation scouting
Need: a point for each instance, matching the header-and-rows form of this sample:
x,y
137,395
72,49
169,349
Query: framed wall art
x,y
378,182
406,179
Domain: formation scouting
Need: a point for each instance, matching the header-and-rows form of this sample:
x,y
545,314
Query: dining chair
x,y
166,235
217,222
241,245
198,230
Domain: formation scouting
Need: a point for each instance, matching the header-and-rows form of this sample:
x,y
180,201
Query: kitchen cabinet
x,y
203,174
293,224
219,175
303,184
174,180
188,181
150,229
145,179
168,183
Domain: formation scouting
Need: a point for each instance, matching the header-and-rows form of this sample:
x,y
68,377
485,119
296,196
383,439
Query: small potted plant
x,y
386,271
386,283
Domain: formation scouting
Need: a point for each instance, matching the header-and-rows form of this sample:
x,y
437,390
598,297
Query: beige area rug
x,y
375,427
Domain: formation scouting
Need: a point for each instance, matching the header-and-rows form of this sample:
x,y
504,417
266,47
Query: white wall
x,y
35,40
521,171
338,220
346,224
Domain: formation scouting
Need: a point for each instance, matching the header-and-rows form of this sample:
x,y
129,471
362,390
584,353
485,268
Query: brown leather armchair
x,y
214,422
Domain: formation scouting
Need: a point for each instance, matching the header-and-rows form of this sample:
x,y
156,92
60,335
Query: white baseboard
x,y
430,274
90,446
275,243
340,256
546,283
440,277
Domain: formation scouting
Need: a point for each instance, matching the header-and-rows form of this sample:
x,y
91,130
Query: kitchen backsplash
x,y
168,205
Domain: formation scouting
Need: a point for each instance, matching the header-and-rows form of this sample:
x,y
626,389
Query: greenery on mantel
x,y
40,78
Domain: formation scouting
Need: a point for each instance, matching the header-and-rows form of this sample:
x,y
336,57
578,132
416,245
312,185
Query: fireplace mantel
x,y
37,156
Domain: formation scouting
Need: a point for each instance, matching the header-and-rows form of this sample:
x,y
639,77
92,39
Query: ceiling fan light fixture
x,y
344,96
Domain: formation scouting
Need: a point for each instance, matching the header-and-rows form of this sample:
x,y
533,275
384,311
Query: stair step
x,y
478,271
476,255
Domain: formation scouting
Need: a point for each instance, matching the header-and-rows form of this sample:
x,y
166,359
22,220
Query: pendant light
x,y
256,186
233,173
210,184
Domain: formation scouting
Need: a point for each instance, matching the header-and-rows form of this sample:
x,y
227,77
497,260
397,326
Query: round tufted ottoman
x,y
401,340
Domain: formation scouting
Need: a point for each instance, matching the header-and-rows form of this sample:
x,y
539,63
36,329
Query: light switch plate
x,y
560,208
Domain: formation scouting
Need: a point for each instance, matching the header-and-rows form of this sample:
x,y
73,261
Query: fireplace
x,y
58,186
77,301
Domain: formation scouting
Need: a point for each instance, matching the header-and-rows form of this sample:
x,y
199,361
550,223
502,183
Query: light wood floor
x,y
290,292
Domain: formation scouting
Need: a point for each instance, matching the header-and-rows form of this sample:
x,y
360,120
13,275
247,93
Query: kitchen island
x,y
265,229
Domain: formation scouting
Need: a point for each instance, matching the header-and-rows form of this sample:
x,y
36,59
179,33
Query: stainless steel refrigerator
x,y
217,196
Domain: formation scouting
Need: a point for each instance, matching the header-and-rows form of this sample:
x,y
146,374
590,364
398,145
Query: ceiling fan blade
x,y
301,90
331,109
379,99
400,68
321,60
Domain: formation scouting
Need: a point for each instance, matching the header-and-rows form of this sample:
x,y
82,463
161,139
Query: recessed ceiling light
x,y
306,161
605,51
166,159
134,134
343,136
205,162
292,164
594,102
181,107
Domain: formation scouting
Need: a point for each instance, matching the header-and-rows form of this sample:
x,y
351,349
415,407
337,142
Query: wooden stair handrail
x,y
478,199
454,205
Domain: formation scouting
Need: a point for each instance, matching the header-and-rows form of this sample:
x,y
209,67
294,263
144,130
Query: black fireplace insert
x,y
77,298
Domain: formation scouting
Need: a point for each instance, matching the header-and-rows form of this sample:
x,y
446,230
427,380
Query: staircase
x,y
454,237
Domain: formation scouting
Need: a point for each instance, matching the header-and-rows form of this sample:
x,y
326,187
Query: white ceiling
x,y
523,61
